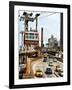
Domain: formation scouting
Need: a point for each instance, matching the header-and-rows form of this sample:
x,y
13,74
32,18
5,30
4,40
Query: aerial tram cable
x,y
41,16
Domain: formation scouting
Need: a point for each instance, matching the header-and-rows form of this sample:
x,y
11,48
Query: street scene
x,y
40,45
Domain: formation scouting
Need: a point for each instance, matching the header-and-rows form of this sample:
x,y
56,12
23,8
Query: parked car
x,y
22,68
45,59
20,76
48,71
51,63
58,68
38,73
55,60
60,73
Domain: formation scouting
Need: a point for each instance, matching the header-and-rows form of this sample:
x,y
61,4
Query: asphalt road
x,y
39,64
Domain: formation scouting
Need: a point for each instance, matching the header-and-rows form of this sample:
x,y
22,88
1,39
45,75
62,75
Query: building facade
x,y
52,42
31,39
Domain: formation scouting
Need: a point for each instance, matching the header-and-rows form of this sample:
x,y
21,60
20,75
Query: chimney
x,y
36,23
42,37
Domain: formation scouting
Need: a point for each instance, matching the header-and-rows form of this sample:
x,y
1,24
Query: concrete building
x,y
52,42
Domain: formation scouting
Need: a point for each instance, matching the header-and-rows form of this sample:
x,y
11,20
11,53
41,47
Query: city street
x,y
41,51
39,64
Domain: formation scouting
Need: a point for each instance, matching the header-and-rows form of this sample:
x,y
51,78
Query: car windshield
x,y
48,68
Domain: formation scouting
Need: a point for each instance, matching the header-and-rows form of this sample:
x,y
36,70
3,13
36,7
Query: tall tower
x,y
42,37
36,16
61,31
27,17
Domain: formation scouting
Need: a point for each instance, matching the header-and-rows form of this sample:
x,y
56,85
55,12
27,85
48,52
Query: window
x,y
31,35
36,36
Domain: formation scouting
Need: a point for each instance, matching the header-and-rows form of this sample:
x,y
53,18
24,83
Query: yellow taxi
x,y
38,73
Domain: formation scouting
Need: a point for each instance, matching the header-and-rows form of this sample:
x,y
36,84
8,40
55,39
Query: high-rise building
x,y
52,42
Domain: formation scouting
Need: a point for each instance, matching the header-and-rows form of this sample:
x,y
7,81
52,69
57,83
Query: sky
x,y
50,22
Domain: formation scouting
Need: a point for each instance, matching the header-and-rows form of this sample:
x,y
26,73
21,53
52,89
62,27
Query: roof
x,y
31,32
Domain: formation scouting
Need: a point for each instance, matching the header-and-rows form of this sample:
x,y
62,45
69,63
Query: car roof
x,y
38,70
48,68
